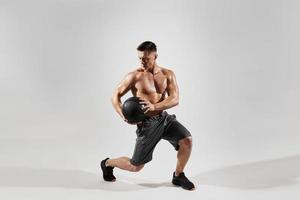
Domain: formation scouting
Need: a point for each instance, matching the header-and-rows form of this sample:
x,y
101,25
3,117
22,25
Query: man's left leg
x,y
181,138
183,154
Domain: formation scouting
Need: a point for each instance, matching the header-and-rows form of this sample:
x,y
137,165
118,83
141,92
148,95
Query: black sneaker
x,y
107,171
183,181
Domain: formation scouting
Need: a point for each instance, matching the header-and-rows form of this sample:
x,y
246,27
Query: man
x,y
157,87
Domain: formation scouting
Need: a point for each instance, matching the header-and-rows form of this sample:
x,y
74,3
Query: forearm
x,y
167,103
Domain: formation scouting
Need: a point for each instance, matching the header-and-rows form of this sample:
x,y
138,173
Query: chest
x,y
149,83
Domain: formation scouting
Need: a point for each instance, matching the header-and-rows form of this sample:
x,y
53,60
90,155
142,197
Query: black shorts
x,y
151,131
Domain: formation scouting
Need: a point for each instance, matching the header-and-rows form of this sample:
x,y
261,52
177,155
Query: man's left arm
x,y
173,94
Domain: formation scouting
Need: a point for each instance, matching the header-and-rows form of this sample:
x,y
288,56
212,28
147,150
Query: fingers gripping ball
x,y
133,110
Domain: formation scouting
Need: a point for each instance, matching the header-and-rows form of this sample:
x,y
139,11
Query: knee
x,y
186,143
136,168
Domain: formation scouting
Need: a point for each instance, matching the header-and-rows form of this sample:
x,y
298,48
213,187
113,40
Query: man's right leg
x,y
124,163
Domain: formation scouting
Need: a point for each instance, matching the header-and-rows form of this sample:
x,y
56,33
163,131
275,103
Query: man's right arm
x,y
123,87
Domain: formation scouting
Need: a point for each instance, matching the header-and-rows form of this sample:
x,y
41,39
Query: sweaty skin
x,y
155,85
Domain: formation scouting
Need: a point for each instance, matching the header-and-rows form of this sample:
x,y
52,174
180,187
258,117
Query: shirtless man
x,y
157,88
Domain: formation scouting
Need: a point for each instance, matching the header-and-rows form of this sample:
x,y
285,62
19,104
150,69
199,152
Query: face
x,y
147,59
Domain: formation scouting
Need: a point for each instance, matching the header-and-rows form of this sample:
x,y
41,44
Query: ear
x,y
156,56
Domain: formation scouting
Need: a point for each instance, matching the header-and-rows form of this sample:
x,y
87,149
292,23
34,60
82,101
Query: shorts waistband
x,y
150,118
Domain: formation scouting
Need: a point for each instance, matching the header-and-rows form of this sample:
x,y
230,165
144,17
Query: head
x,y
147,54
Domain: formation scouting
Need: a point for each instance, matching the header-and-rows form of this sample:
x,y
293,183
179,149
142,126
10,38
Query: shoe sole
x,y
177,184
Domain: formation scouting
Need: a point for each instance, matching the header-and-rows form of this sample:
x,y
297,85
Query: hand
x,y
148,106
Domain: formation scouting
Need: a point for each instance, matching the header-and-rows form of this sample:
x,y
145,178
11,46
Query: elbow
x,y
176,101
115,97
112,99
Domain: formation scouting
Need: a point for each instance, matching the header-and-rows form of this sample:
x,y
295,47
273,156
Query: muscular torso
x,y
150,86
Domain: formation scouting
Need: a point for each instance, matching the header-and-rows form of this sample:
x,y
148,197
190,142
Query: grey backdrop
x,y
236,63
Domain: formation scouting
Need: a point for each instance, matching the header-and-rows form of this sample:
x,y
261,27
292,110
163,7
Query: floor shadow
x,y
59,178
255,175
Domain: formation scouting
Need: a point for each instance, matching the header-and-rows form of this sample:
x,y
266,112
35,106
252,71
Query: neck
x,y
152,69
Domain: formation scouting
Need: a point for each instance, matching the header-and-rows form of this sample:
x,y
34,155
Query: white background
x,y
237,67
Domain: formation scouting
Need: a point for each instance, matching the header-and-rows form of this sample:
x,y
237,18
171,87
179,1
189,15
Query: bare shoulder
x,y
130,75
133,73
167,72
138,70
129,78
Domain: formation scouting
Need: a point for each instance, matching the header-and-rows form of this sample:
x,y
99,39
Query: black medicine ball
x,y
133,110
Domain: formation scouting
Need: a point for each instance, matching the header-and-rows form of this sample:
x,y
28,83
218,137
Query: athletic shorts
x,y
151,131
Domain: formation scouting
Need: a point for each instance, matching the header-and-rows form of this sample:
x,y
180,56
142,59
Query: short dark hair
x,y
147,46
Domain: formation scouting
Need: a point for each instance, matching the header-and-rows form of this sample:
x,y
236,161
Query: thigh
x,y
142,152
148,135
175,132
